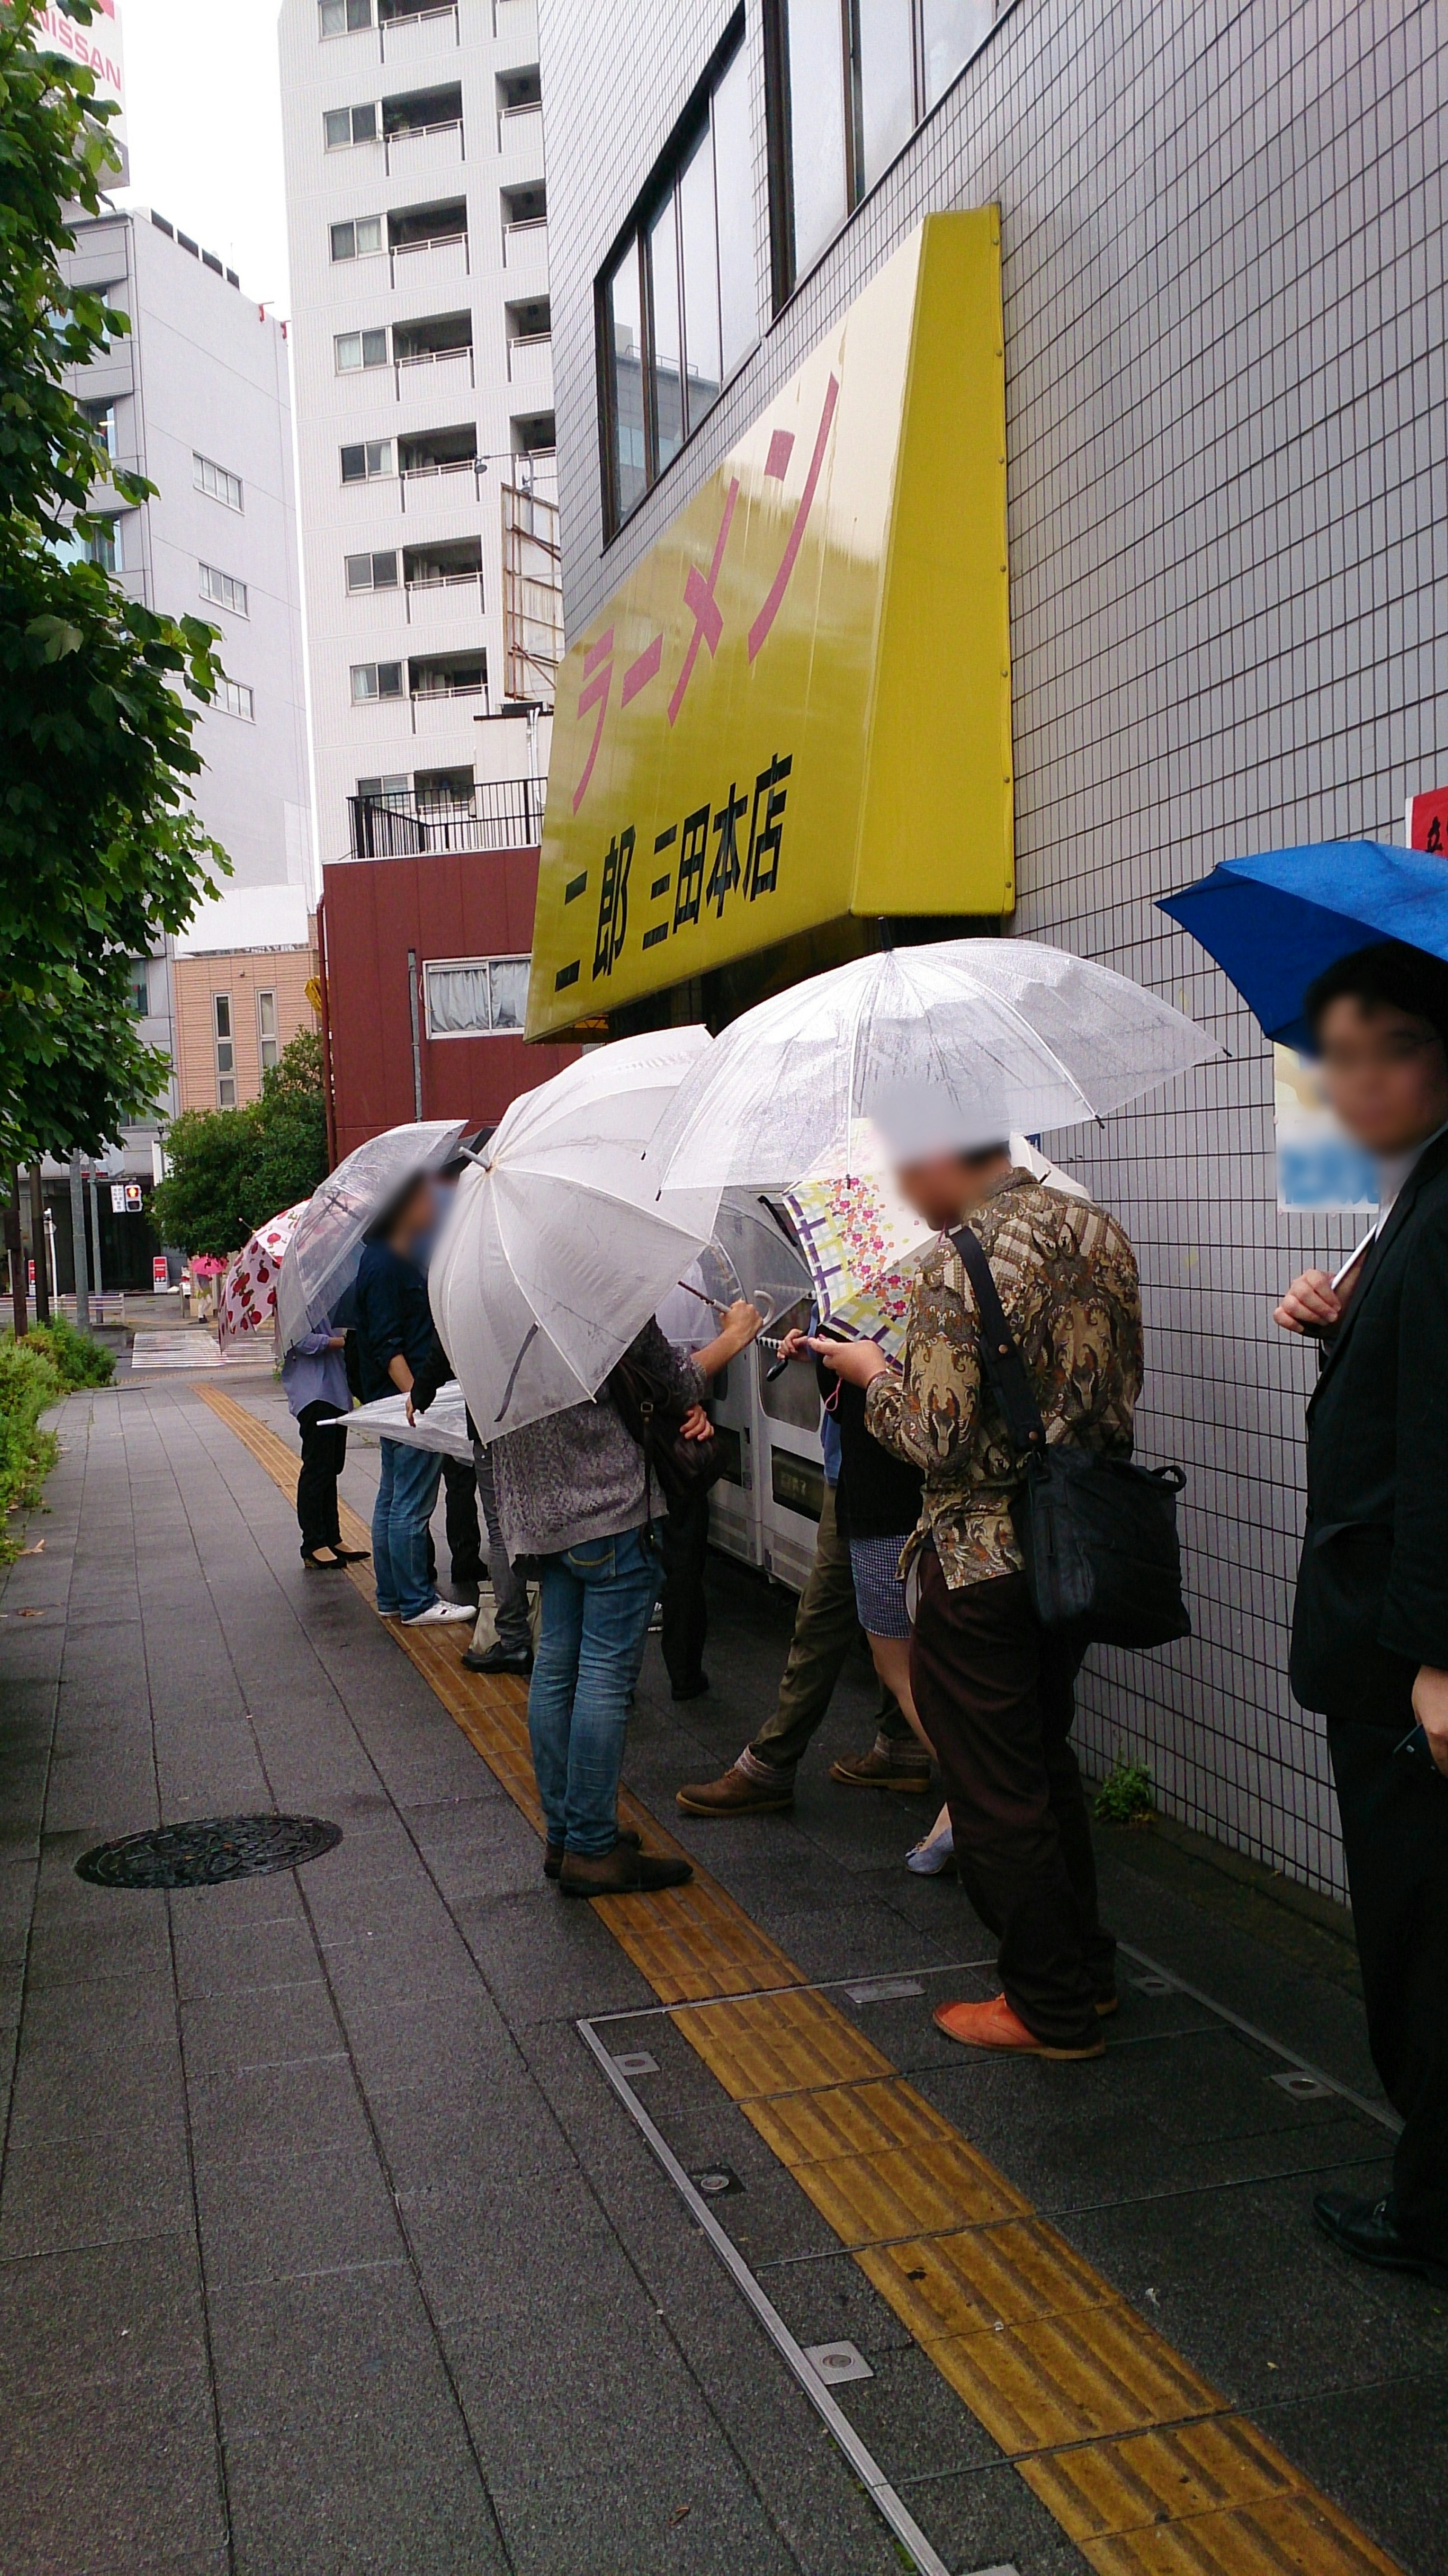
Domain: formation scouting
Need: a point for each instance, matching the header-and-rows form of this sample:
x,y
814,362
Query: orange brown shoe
x,y
995,2025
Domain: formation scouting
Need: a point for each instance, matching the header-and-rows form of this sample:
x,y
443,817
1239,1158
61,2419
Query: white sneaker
x,y
441,1614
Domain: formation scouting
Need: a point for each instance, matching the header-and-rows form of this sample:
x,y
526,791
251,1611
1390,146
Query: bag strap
x,y
999,1350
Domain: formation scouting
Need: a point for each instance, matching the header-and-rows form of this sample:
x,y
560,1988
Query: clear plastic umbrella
x,y
556,1251
325,1252
442,1428
946,1047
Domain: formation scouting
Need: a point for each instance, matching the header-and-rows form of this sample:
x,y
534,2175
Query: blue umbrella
x,y
1275,921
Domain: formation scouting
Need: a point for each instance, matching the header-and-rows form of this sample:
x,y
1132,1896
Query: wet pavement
x,y
329,2241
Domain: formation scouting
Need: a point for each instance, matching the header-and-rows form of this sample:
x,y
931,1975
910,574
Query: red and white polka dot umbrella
x,y
248,1299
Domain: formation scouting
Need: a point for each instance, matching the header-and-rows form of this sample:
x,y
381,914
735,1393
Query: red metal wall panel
x,y
468,904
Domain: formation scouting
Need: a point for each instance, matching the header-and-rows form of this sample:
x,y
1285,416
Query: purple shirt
x,y
313,1373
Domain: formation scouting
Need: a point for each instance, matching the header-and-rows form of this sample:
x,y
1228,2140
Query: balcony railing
x,y
518,236
503,814
422,134
406,18
432,241
526,340
432,358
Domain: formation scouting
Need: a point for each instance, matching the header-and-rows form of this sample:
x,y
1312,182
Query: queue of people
x,y
919,1547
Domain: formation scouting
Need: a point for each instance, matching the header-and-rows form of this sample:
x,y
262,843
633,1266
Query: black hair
x,y
1388,975
386,1218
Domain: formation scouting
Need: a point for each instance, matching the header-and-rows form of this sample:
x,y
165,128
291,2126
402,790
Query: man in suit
x,y
1370,1635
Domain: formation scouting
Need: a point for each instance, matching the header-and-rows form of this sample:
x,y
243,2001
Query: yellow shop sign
x,y
797,706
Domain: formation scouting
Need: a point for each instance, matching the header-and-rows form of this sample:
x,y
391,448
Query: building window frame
x,y
222,589
234,698
435,969
268,1031
930,82
376,683
223,1041
217,482
662,212
370,346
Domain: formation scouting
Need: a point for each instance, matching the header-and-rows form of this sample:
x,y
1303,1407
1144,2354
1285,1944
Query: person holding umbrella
x,y
1370,1630
395,1342
1341,948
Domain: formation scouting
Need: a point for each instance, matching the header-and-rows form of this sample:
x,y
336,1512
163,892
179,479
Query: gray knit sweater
x,y
580,1475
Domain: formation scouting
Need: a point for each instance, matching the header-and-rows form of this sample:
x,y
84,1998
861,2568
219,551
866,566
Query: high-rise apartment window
x,y
357,240
359,349
476,997
848,82
215,479
373,680
366,463
678,305
140,975
339,17
102,418
343,126
225,1051
372,572
223,590
268,1044
235,700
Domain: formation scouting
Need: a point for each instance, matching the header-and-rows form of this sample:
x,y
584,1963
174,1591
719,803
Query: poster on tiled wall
x,y
1319,1168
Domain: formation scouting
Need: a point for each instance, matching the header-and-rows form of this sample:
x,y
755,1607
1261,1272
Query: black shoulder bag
x,y
648,1407
1098,1534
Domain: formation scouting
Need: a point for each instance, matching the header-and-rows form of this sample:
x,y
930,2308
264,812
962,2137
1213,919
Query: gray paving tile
x,y
1381,2452
344,2446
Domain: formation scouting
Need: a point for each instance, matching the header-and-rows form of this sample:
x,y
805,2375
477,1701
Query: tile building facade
x,y
1223,266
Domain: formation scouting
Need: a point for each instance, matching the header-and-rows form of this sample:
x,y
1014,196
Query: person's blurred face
x,y
945,1187
1385,1073
415,1217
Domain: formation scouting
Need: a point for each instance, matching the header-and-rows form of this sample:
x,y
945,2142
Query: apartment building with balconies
x,y
421,329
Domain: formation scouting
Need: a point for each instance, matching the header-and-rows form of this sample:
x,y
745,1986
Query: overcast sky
x,y
203,120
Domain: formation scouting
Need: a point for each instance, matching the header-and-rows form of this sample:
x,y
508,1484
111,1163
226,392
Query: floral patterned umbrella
x,y
248,1299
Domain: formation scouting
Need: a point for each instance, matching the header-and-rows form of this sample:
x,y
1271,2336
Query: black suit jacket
x,y
1372,1595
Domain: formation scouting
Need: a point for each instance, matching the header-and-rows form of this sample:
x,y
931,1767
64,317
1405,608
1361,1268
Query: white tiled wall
x,y
1224,300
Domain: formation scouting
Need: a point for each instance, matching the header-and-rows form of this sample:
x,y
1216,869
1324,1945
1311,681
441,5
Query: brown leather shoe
x,y
882,1768
553,1852
738,1793
995,2025
621,1872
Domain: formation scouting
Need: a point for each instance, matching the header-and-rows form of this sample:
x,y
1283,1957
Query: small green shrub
x,y
1125,1796
76,1358
29,1381
35,1372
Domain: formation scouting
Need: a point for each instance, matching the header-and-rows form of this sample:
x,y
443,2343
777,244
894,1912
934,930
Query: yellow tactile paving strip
x,y
1138,2459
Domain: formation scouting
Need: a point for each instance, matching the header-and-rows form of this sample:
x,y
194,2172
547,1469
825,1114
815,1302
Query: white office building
x,y
196,397
417,217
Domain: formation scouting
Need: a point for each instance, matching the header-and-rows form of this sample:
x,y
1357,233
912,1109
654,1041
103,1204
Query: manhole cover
x,y
201,1855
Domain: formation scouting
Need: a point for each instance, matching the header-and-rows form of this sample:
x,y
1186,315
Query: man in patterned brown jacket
x,y
995,1691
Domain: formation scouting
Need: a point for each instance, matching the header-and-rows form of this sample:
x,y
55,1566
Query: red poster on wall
x,y
160,1280
1428,822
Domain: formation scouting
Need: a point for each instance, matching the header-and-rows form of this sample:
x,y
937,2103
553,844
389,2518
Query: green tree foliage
x,y
231,1169
100,849
34,1373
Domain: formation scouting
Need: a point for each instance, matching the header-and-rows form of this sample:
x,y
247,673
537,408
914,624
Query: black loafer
x,y
1368,2229
496,1659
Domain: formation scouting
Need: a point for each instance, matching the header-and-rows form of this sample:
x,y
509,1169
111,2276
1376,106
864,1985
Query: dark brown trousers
x,y
995,1693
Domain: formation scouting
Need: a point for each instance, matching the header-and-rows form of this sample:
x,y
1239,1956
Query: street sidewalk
x,y
328,2243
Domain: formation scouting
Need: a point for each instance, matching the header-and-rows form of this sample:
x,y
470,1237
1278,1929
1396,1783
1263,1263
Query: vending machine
x,y
766,1506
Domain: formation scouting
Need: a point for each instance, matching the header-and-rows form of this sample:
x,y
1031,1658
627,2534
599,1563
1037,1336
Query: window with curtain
x,y
848,82
476,997
679,301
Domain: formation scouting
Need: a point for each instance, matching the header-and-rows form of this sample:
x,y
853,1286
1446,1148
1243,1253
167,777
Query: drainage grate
x,y
205,1853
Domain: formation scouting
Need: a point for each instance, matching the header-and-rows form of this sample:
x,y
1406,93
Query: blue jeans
x,y
400,1515
597,1599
